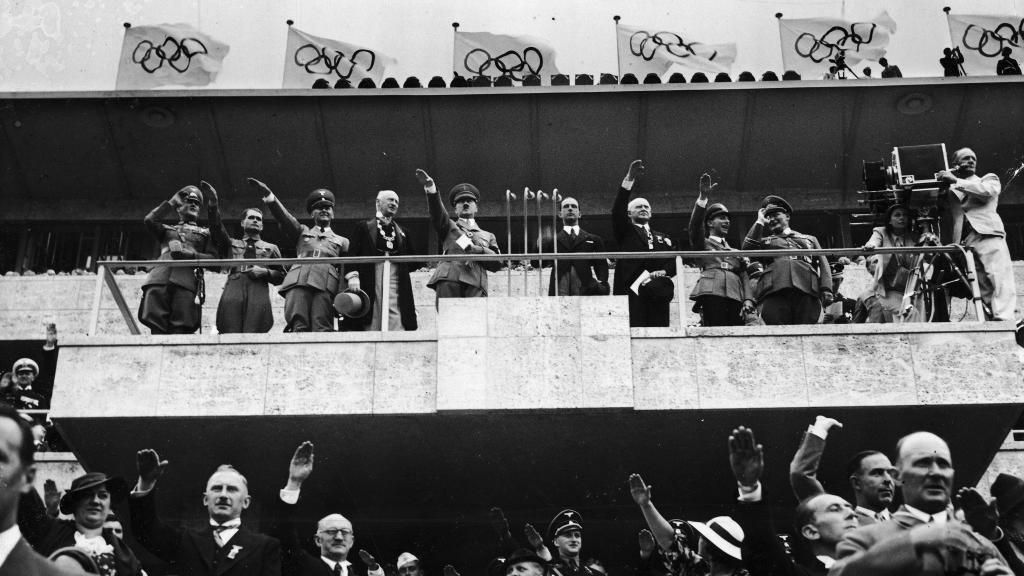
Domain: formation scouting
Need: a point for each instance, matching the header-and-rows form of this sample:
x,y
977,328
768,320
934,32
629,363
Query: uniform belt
x,y
312,254
725,266
804,258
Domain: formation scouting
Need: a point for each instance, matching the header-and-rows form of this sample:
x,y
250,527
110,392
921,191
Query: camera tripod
x,y
936,277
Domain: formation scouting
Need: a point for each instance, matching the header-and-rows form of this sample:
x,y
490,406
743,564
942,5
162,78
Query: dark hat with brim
x,y
1009,492
775,204
116,485
352,303
596,288
317,198
716,209
523,555
464,190
659,290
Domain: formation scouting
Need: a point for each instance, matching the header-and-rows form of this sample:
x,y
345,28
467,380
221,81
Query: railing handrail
x,y
692,254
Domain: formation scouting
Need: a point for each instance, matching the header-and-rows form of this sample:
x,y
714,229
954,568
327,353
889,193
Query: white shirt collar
x,y
330,564
786,232
885,514
826,561
938,517
8,540
236,523
718,239
572,229
381,217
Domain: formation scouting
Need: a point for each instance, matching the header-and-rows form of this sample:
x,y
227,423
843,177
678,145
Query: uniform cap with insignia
x,y
565,520
775,204
22,363
716,209
460,191
317,198
192,193
405,558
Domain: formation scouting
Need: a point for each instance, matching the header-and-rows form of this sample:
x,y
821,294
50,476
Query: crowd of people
x,y
731,290
903,519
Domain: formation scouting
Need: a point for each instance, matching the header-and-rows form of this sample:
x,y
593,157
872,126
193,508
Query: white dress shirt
x,y
8,540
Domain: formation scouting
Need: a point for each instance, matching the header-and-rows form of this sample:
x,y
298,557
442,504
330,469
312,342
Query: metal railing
x,y
106,277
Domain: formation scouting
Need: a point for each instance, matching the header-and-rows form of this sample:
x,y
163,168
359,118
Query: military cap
x,y
659,289
683,532
22,363
405,558
191,193
318,197
774,204
716,209
565,520
460,191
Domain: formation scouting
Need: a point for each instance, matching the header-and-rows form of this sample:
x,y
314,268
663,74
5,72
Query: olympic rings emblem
x,y
834,40
510,63
316,60
978,38
177,55
645,45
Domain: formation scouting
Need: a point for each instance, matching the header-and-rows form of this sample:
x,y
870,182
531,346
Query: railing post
x,y
972,276
681,294
97,297
385,296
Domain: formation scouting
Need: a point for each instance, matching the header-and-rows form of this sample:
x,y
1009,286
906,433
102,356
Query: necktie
x,y
216,534
931,519
572,234
250,249
337,569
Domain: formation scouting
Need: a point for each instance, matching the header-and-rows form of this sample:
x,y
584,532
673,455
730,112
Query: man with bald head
x,y
334,535
223,547
923,536
981,229
647,281
170,304
576,277
380,236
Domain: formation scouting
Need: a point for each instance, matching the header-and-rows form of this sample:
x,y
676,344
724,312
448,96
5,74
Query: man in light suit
x,y
18,455
223,547
633,233
870,473
577,277
981,229
463,279
792,289
309,289
923,536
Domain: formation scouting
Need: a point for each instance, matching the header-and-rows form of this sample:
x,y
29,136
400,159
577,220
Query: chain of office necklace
x,y
389,241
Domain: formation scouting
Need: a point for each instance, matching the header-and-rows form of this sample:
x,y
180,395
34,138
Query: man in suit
x,y
981,229
221,548
16,475
378,236
309,289
171,297
821,520
463,279
646,282
723,294
577,277
792,289
923,536
334,537
245,302
871,474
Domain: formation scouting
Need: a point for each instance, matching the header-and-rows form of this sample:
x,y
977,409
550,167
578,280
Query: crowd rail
x,y
105,276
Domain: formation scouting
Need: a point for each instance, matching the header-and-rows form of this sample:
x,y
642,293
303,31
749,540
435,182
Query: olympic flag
x,y
982,38
643,50
483,53
810,45
168,55
308,57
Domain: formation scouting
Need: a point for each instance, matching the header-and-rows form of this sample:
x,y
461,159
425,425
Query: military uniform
x,y
723,283
309,289
789,291
460,279
567,520
170,296
245,302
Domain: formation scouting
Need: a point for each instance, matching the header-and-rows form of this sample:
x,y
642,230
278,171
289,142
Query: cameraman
x,y
951,62
982,231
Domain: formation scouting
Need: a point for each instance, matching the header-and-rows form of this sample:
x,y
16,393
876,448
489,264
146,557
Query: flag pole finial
x,y
127,25
778,15
616,18
289,22
945,9
456,26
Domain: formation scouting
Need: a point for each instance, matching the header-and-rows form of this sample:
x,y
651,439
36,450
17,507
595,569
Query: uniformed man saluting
x,y
309,289
170,296
792,288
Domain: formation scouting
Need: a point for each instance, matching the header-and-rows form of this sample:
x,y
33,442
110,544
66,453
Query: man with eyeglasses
x,y
334,533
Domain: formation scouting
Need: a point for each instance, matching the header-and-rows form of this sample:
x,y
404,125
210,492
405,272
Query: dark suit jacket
x,y
630,238
588,271
763,552
22,561
295,559
364,239
803,473
448,232
808,274
884,549
721,275
194,552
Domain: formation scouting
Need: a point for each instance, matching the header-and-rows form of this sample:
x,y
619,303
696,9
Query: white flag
x,y
982,38
810,45
168,55
643,50
483,53
309,57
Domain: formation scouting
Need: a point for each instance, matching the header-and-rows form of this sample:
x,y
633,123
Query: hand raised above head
x,y
211,195
746,457
301,465
639,490
264,190
425,180
636,169
149,466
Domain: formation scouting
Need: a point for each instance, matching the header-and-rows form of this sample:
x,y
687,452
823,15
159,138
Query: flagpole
x,y
618,55
455,32
952,40
782,51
